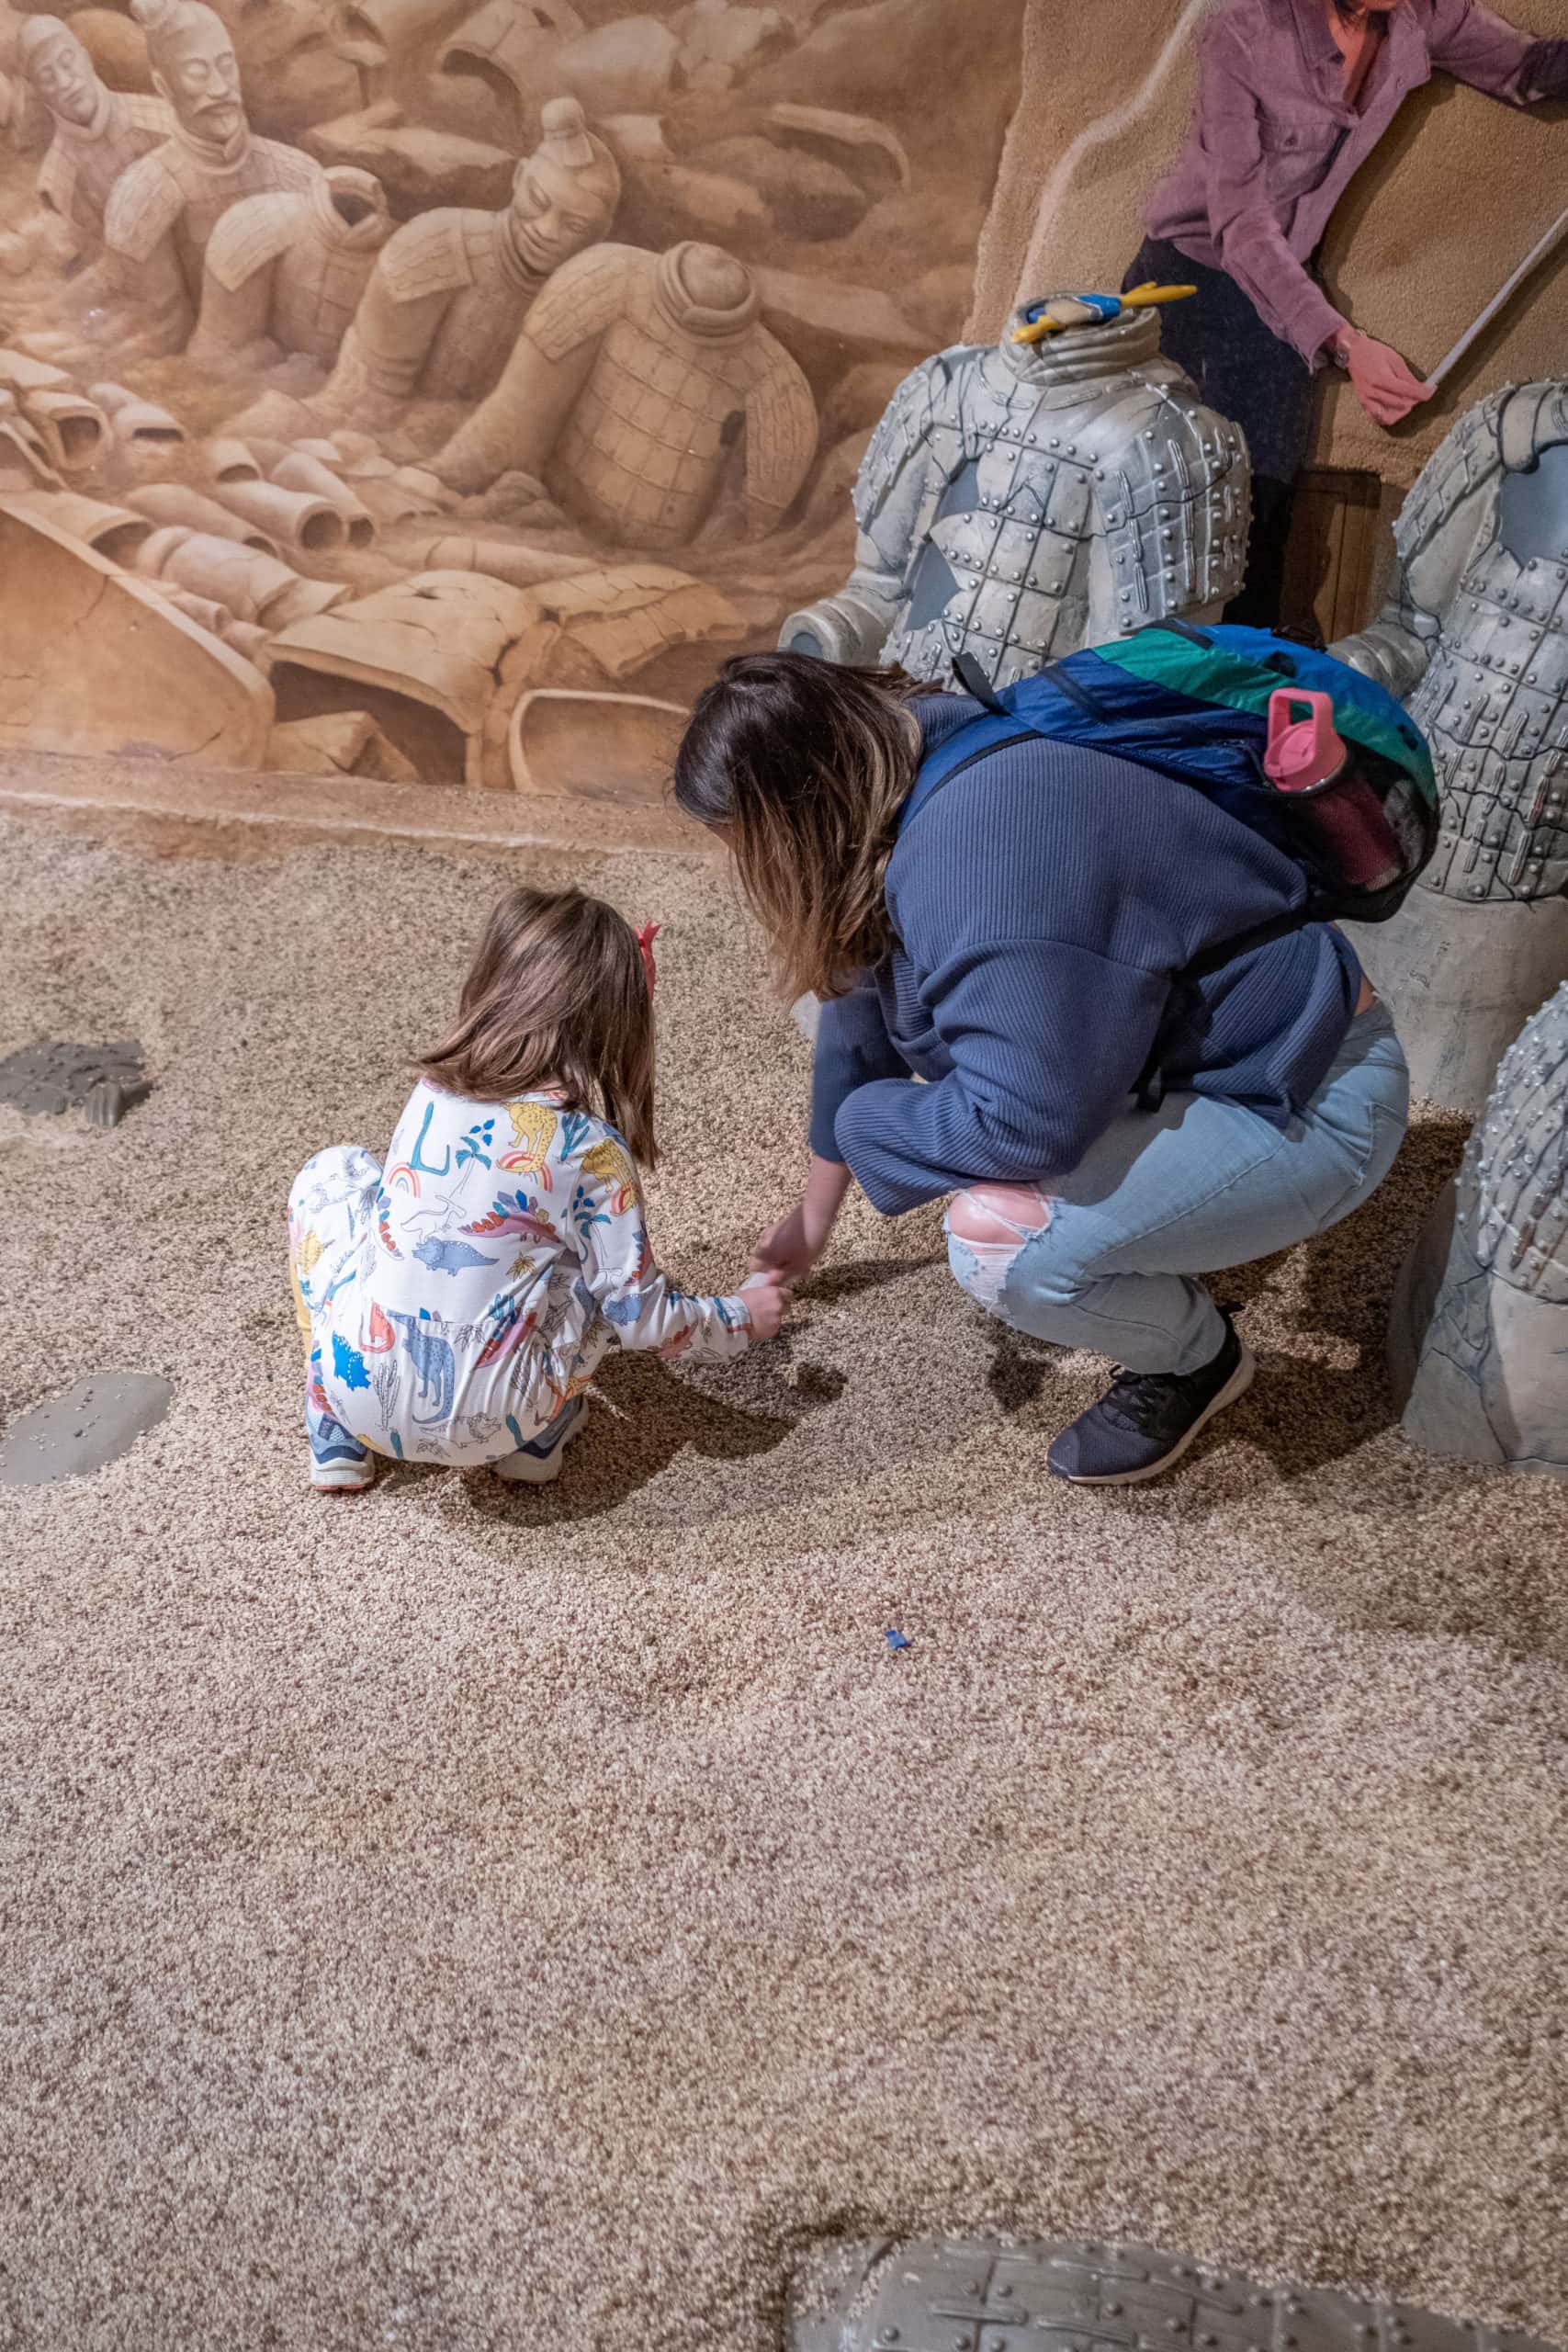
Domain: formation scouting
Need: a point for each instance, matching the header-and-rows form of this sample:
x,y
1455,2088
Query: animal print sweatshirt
x,y
480,1276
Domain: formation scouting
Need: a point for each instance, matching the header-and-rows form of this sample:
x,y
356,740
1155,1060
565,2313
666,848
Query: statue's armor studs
x,y
1483,545
1015,504
1514,1180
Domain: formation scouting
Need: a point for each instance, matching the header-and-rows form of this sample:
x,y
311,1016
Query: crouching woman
x,y
1019,945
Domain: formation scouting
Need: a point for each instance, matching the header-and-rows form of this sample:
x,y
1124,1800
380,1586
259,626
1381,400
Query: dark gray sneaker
x,y
1146,1420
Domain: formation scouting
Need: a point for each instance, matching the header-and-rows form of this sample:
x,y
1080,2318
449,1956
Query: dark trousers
x,y
1242,370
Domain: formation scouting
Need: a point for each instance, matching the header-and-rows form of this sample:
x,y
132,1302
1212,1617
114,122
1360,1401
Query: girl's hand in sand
x,y
792,1248
767,1302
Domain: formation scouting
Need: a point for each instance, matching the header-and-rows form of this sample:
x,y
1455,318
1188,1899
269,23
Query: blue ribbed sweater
x,y
1043,900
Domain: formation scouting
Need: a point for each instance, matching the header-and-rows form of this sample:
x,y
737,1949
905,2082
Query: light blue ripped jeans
x,y
1106,1257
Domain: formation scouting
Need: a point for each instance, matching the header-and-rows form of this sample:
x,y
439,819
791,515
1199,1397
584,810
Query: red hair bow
x,y
645,940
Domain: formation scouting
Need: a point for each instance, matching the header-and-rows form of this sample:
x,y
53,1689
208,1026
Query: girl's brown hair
x,y
556,997
808,764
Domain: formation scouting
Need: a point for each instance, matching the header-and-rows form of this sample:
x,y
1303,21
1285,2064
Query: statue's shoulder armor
x,y
1534,417
1466,460
147,201
251,235
429,254
929,394
586,295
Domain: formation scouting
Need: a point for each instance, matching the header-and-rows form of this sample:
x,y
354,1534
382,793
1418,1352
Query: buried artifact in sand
x,y
1478,1335
95,1420
998,2295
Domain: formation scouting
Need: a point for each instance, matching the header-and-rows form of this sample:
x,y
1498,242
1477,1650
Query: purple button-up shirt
x,y
1273,141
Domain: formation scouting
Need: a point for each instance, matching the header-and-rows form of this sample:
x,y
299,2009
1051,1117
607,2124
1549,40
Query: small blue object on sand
x,y
897,1641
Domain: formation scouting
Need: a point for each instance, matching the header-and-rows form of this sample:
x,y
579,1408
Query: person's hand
x,y
767,1300
792,1248
1385,387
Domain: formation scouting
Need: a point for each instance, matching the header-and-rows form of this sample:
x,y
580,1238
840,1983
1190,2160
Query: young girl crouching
x,y
456,1302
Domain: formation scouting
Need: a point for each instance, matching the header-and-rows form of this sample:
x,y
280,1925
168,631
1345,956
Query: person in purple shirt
x,y
1292,97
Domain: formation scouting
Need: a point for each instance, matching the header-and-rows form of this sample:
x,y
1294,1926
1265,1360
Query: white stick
x,y
1532,260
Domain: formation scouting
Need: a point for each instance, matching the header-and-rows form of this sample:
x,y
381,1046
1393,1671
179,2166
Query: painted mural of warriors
x,y
1019,501
1475,640
450,291
98,132
165,208
1478,1337
285,272
640,384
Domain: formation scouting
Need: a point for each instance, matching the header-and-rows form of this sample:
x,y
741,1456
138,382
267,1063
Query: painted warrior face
x,y
202,82
555,214
62,75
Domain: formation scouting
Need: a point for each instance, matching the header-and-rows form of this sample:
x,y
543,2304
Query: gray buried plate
x,y
1086,2295
107,1080
97,1420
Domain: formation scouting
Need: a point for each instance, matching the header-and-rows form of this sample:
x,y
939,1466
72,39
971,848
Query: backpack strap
x,y
1149,1086
1000,728
976,686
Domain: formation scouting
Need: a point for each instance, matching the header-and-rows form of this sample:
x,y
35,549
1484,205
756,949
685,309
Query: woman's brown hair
x,y
807,765
556,997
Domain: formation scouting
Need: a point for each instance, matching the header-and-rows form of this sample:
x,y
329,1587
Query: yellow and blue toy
x,y
1037,320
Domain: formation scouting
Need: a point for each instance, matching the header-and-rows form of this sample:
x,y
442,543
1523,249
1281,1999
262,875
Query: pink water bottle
x,y
1308,756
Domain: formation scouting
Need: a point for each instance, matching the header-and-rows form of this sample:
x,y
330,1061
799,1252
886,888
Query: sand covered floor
x,y
474,1920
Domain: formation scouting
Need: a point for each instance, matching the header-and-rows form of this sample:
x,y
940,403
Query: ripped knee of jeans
x,y
987,1227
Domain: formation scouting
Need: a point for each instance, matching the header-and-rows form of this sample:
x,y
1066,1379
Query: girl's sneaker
x,y
539,1464
345,1475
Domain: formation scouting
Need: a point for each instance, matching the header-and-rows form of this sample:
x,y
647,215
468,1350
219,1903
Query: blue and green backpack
x,y
1191,706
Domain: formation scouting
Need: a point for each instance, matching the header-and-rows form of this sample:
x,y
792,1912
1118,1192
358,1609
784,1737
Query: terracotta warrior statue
x,y
165,208
1478,1338
644,389
451,289
285,272
98,132
1023,499
1475,639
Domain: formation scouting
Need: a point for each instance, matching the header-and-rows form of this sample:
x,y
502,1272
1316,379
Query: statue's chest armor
x,y
208,195
316,293
1027,499
1001,566
482,323
1514,1178
98,164
1494,707
647,441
